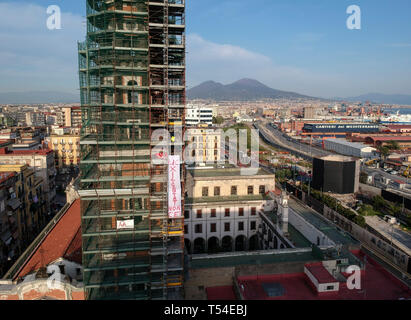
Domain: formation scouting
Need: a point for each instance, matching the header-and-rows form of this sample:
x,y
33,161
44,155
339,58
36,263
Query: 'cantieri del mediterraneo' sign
x,y
174,187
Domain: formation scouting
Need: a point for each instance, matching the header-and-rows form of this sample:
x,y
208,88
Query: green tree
x,y
218,120
379,203
360,220
384,151
368,210
283,174
393,145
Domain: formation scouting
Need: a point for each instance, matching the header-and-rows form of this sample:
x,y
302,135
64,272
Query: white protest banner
x,y
174,187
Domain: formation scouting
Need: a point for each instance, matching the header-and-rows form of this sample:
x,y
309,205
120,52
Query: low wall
x,y
308,230
200,279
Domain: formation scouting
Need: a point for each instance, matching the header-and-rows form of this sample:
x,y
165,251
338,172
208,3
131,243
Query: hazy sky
x,y
296,45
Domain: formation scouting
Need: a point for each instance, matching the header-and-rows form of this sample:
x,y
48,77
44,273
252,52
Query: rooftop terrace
x,y
376,283
224,172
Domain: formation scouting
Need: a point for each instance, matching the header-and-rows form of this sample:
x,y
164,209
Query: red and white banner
x,y
174,187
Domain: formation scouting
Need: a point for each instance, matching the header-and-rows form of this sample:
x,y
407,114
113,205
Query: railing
x,y
401,275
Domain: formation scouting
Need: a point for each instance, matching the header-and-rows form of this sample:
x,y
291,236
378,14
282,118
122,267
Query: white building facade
x,y
351,149
222,209
196,116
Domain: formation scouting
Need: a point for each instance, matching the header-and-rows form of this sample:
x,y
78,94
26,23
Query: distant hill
x,y
401,99
242,90
40,97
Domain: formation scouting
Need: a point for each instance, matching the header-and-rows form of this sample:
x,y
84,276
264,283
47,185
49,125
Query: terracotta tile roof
x,y
398,126
391,138
42,152
63,241
4,176
74,252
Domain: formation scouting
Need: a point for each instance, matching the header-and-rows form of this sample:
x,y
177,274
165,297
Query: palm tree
x,y
393,145
384,151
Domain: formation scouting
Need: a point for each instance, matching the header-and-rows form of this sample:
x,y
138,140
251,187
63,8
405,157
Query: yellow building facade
x,y
66,150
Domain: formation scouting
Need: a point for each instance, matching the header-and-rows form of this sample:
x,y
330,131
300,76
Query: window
x,y
227,213
216,191
250,190
253,225
213,227
241,212
186,214
226,226
185,229
330,287
233,190
213,213
205,191
199,228
241,226
253,211
262,189
199,214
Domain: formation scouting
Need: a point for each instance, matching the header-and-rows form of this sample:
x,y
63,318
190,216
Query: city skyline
x,y
299,47
153,188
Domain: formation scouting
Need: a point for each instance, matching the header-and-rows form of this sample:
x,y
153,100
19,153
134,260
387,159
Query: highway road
x,y
277,139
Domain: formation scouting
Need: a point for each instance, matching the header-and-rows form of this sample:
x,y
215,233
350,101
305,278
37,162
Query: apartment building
x,y
69,117
9,244
196,116
42,163
204,145
23,212
66,149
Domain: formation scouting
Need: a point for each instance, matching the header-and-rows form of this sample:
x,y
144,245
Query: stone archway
x,y
240,243
187,244
213,245
227,244
199,246
253,243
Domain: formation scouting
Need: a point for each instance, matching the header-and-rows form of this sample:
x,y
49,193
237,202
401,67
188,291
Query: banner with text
x,y
174,187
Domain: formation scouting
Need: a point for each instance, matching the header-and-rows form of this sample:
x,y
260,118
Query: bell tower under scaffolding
x,y
132,83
